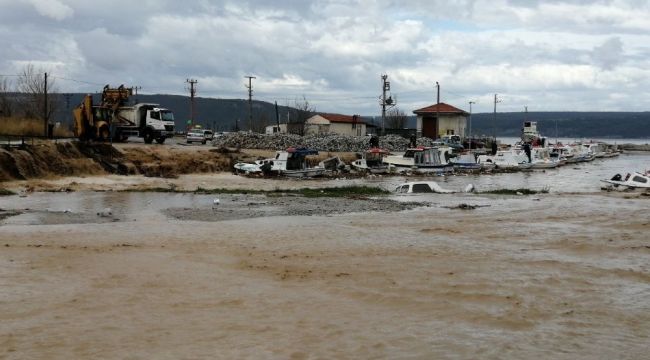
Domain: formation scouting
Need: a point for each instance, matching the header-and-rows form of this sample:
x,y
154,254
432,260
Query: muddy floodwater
x,y
132,275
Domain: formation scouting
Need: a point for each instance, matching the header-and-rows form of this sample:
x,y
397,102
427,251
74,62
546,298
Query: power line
x,y
78,81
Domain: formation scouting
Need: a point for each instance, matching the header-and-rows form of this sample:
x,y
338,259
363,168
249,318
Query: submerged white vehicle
x,y
631,182
423,187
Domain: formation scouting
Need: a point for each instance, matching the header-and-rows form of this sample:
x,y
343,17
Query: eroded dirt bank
x,y
551,276
47,159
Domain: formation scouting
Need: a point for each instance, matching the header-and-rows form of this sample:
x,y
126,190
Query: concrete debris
x,y
325,142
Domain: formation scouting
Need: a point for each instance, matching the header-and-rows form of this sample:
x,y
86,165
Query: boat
x,y
423,159
505,160
372,161
631,182
423,187
466,161
291,162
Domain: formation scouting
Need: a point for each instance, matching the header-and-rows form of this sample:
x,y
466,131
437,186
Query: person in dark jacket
x,y
528,152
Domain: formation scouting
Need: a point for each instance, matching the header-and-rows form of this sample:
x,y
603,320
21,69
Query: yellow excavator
x,y
112,119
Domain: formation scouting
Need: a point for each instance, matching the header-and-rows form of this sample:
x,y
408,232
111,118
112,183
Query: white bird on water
x,y
215,203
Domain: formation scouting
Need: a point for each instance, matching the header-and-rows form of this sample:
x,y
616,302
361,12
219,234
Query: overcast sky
x,y
546,55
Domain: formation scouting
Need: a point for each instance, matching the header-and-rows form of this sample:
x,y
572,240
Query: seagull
x,y
215,203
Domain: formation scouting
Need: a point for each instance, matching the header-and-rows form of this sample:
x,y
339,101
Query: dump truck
x,y
112,119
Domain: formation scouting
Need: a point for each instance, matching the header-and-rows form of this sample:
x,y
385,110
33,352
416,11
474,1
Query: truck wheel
x,y
148,137
104,134
160,140
203,142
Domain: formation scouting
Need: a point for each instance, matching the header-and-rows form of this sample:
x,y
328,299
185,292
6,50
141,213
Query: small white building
x,y
335,124
441,119
276,129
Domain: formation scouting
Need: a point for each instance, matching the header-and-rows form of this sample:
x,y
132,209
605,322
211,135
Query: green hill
x,y
226,114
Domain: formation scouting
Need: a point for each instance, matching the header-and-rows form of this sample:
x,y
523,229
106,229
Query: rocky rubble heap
x,y
326,142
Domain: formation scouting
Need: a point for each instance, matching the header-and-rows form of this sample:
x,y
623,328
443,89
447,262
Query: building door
x,y
429,127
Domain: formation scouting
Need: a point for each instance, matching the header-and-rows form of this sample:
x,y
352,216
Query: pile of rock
x,y
325,142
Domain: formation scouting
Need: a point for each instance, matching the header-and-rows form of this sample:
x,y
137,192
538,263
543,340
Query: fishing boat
x,y
372,161
466,161
423,159
631,182
505,160
291,162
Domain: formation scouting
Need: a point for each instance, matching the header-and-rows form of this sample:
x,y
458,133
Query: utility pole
x,y
135,89
277,116
67,100
470,124
437,109
45,114
192,82
250,101
494,116
385,102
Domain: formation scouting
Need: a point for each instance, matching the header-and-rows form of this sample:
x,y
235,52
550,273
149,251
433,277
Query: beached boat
x,y
466,161
505,159
291,162
423,159
631,181
372,161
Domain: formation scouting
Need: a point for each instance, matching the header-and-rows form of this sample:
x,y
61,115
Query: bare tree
x,y
303,111
31,84
6,108
395,118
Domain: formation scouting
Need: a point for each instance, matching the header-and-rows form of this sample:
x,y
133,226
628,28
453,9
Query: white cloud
x,y
53,9
562,54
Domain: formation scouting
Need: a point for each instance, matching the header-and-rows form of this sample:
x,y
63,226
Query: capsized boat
x,y
631,182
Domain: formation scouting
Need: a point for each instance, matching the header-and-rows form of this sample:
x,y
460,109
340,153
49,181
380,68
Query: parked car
x,y
195,136
208,134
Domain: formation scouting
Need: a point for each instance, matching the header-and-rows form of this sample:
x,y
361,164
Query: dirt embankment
x,y
46,159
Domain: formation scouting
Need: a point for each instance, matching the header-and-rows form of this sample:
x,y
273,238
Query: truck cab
x,y
158,123
148,121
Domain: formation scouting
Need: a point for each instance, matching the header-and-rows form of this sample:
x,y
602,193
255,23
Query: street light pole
x,y
470,124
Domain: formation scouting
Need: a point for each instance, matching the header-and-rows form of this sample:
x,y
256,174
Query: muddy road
x,y
166,276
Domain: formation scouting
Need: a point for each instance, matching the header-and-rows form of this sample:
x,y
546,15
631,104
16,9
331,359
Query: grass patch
x,y
5,192
156,190
520,191
346,191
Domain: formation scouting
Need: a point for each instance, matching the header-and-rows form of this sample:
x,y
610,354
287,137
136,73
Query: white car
x,y
195,136
208,134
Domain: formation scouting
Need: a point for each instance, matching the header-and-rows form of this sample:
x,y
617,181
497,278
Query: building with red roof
x,y
335,124
441,119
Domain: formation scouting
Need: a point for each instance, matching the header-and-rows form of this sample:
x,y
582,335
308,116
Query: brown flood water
x,y
551,276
